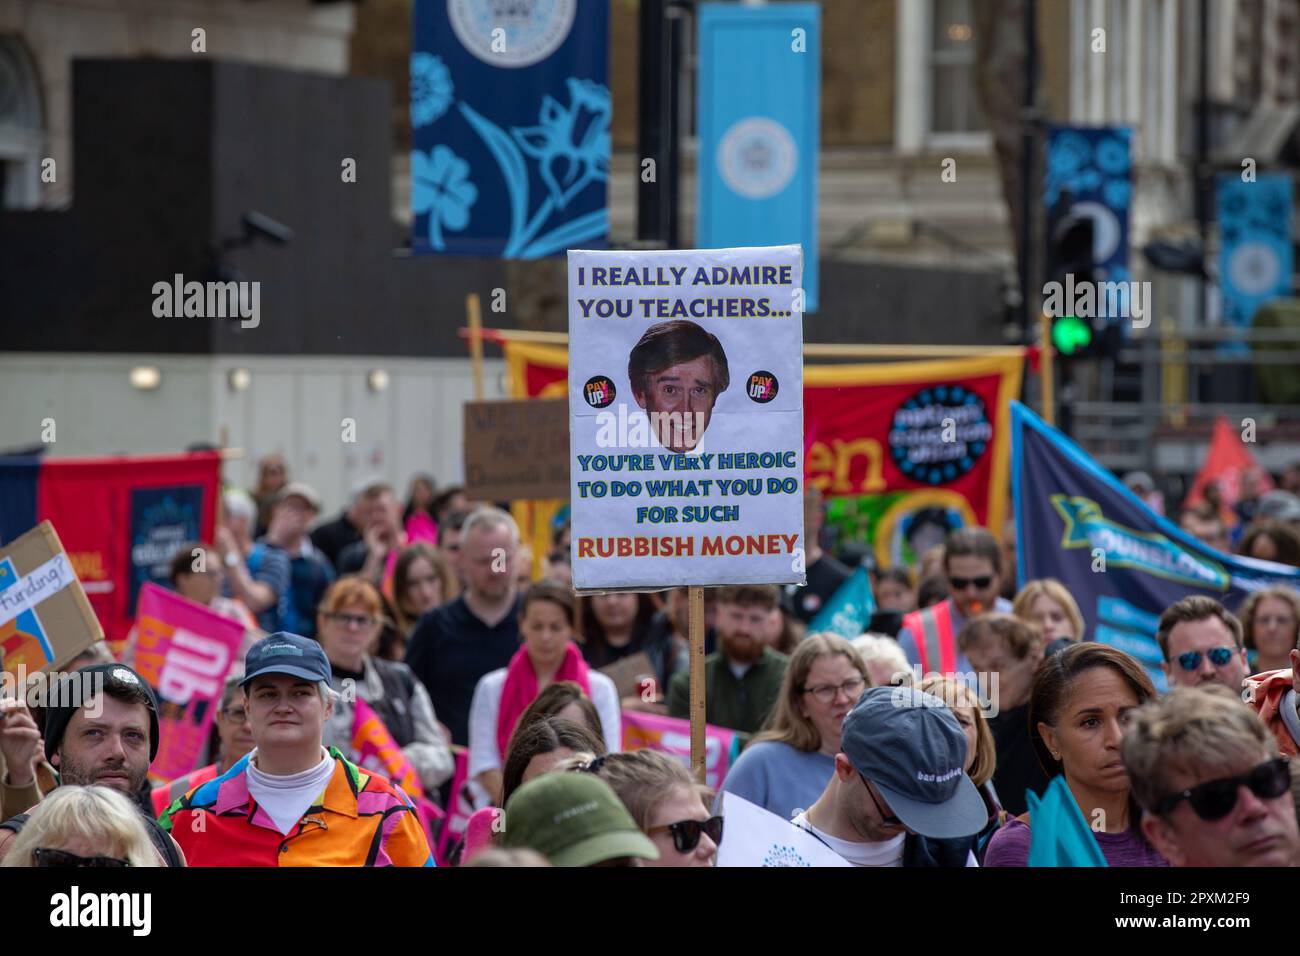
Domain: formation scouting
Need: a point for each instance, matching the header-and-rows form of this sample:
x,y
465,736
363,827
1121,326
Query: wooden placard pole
x,y
695,631
1045,368
475,342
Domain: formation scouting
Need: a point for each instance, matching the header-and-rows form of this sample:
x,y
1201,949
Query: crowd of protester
x,y
921,742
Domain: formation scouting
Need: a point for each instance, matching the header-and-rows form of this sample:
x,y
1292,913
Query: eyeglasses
x,y
1215,799
1268,620
887,819
961,584
357,622
828,692
49,858
237,714
686,833
1218,657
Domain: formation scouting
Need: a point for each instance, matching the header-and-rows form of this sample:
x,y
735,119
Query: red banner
x,y
121,519
911,451
906,451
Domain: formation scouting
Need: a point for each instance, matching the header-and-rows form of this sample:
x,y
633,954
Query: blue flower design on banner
x,y
431,88
1117,193
440,186
572,142
527,128
1112,155
1069,153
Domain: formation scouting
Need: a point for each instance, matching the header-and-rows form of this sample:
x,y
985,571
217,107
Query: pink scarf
x,y
520,689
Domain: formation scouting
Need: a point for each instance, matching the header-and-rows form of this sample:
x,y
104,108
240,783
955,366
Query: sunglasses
x,y
49,858
887,819
961,584
1215,799
686,833
1218,657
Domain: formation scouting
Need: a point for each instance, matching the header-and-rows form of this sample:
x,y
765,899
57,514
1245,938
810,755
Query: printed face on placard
x,y
680,401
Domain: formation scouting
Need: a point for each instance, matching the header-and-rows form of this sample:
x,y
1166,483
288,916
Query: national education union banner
x,y
907,452
510,113
1123,563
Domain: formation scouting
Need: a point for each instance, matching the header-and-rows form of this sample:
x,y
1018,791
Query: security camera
x,y
257,224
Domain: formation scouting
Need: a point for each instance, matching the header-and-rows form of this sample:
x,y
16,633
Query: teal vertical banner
x,y
759,128
1255,256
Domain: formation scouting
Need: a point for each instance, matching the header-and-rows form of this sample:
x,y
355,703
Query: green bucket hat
x,y
573,819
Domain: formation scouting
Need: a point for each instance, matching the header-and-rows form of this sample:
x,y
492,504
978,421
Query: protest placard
x,y
757,837
634,676
45,617
517,450
672,736
686,410
186,652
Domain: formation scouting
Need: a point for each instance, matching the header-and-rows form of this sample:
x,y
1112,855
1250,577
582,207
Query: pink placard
x,y
186,652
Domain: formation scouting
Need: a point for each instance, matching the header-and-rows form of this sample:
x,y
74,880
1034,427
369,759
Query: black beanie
x,y
72,690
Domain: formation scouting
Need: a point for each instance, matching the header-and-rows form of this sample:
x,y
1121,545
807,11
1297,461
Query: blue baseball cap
x,y
910,745
285,653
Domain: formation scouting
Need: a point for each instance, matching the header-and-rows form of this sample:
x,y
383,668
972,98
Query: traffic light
x,y
1071,336
1070,265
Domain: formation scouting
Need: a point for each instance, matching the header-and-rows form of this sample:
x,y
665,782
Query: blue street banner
x,y
510,112
759,128
1089,172
1255,254
1123,563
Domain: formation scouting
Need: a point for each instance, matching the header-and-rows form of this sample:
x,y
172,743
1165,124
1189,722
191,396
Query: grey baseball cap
x,y
911,747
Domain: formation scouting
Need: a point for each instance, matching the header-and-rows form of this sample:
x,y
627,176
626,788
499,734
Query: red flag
x,y
1227,463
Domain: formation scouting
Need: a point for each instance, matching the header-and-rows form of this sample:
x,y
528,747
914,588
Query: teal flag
x,y
849,610
1059,833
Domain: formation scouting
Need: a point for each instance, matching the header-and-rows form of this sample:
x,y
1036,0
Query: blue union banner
x,y
1123,563
510,113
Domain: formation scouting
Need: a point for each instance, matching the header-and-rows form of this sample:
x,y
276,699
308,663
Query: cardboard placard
x,y
633,675
45,618
517,449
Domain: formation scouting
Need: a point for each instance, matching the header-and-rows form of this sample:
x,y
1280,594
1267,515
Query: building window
x,y
21,128
954,100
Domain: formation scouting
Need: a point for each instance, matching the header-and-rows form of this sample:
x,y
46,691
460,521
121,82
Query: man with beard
x,y
899,795
102,728
742,679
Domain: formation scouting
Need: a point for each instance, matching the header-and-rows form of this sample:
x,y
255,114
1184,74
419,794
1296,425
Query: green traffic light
x,y
1071,334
